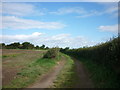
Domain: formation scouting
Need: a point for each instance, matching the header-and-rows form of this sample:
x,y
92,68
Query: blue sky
x,y
73,24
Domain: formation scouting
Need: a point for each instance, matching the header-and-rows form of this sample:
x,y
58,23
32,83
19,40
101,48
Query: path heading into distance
x,y
47,80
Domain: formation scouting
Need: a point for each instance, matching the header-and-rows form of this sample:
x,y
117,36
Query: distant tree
x,y
15,45
64,50
21,46
27,45
31,46
42,47
47,48
2,45
10,46
37,47
67,48
85,46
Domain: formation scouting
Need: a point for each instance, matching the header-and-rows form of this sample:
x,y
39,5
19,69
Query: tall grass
x,y
102,77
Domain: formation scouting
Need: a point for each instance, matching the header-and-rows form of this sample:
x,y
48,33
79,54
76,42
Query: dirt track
x,y
83,76
48,79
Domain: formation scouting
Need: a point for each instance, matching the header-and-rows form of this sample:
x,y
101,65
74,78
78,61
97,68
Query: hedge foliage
x,y
52,53
106,54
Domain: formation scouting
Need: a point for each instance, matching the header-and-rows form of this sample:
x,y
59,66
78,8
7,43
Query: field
x,y
27,69
15,60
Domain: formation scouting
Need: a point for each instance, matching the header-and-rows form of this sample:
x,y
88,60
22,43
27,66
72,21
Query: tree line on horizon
x,y
24,45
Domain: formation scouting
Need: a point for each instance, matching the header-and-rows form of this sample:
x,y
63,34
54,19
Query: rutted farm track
x,y
48,79
13,64
83,76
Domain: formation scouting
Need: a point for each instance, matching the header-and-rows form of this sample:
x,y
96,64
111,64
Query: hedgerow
x,y
105,55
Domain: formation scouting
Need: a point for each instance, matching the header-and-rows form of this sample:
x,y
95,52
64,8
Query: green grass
x,y
12,55
67,77
101,76
29,74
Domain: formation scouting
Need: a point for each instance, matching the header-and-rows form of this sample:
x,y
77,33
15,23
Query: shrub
x,y
52,53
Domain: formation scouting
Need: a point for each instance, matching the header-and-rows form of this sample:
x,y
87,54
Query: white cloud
x,y
61,40
112,9
68,10
109,28
90,13
109,10
82,12
10,38
77,10
20,9
25,9
13,22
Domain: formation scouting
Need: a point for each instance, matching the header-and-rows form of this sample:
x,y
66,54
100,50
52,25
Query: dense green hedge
x,y
105,54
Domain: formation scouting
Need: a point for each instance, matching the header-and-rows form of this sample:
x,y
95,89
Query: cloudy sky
x,y
63,24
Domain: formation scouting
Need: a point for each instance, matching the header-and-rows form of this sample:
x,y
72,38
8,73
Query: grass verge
x,y
67,77
29,74
102,77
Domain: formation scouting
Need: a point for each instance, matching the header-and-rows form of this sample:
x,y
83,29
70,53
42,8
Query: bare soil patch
x,y
12,65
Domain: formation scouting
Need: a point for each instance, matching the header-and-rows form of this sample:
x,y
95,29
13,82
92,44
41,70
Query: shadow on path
x,y
83,76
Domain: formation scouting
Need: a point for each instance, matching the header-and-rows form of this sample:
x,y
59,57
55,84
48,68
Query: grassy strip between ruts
x,y
67,77
100,75
33,71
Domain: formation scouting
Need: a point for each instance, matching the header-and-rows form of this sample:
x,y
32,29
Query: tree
x,y
27,45
37,47
64,50
47,48
2,45
67,48
15,45
42,47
